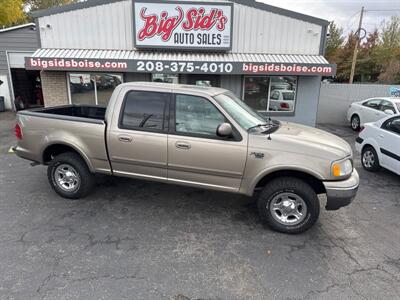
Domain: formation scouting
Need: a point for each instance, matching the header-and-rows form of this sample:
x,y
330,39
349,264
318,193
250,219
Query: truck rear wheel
x,y
289,205
69,176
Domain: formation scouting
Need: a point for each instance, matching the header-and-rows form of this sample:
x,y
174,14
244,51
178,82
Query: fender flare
x,y
71,145
274,169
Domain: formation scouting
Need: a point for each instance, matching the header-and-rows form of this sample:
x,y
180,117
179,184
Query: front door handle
x,y
124,138
381,136
183,145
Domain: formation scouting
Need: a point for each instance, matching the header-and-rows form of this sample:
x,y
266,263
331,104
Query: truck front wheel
x,y
288,205
69,176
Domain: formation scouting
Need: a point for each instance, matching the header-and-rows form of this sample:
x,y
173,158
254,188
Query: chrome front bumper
x,y
341,193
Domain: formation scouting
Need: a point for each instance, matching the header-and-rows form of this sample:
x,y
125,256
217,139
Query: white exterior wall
x,y
259,31
110,26
106,26
335,99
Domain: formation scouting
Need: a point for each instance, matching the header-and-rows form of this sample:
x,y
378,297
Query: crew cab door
x,y
137,141
389,142
196,155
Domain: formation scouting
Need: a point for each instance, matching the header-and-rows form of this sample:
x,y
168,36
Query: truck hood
x,y
308,140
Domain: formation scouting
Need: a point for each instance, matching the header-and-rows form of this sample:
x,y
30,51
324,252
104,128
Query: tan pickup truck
x,y
195,136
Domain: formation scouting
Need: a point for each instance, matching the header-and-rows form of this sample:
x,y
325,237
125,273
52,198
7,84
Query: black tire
x,y
370,159
80,171
355,123
294,187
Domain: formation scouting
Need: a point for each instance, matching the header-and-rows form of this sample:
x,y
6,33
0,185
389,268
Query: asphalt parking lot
x,y
141,240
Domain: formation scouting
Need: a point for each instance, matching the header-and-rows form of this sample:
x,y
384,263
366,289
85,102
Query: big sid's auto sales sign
x,y
183,24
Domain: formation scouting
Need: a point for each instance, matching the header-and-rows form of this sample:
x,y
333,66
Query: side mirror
x,y
388,112
224,130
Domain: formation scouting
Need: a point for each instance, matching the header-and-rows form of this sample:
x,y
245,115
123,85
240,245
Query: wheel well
x,y
367,145
57,149
315,183
354,114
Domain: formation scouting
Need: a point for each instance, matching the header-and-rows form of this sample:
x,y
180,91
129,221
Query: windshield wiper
x,y
258,125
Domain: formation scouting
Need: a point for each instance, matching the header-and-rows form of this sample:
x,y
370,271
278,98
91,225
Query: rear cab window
x,y
144,110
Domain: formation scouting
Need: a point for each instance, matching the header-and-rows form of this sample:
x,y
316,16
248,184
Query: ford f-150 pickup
x,y
195,136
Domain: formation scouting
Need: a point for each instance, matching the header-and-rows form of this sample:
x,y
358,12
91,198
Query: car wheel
x,y
289,205
69,176
355,123
369,159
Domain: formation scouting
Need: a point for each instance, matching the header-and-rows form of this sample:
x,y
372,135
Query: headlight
x,y
342,168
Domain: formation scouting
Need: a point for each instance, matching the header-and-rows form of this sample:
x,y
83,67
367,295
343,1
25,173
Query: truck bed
x,y
66,111
82,127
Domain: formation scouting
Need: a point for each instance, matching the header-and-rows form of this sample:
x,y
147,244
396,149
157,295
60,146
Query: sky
x,y
346,13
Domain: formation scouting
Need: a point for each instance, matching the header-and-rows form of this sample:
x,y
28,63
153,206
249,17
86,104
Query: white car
x,y
371,110
379,144
281,100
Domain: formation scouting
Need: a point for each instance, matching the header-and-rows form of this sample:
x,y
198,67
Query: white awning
x,y
196,62
179,56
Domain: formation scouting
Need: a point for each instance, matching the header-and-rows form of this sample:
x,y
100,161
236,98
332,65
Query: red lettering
x,y
197,19
190,17
208,21
163,26
222,20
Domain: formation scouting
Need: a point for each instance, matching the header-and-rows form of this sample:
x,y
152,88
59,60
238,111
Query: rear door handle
x,y
183,145
124,138
381,136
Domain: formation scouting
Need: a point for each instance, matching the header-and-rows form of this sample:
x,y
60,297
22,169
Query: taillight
x,y
284,105
18,132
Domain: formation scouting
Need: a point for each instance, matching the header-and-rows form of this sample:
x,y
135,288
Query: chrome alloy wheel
x,y
288,208
368,159
67,178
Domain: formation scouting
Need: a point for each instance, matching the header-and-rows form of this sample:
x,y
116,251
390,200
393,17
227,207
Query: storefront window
x,y
270,93
106,84
92,89
168,78
81,87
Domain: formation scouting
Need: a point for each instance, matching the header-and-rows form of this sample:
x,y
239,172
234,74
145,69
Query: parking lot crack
x,y
108,241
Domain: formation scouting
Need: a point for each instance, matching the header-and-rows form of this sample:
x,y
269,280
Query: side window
x,y
392,125
197,116
374,103
144,111
386,105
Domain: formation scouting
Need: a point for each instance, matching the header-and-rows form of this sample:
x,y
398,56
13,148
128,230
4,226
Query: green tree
x,y
44,4
368,62
11,13
391,32
388,51
344,58
334,42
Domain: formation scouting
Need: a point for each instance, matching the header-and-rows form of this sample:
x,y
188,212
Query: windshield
x,y
240,111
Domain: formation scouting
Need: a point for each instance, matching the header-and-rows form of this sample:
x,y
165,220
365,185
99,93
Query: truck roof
x,y
212,91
